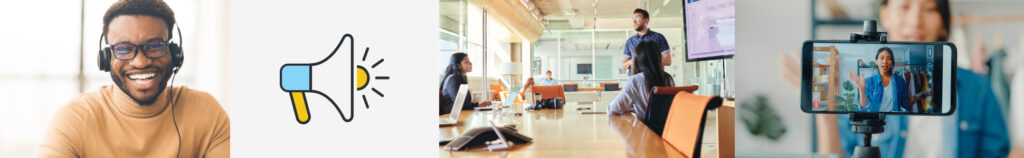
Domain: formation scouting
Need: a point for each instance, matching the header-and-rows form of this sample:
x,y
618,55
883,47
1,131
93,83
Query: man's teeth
x,y
141,76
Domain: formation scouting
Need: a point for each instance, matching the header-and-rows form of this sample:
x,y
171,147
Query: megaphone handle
x,y
300,106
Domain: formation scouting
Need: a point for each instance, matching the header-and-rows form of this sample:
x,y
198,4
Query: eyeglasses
x,y
127,51
636,18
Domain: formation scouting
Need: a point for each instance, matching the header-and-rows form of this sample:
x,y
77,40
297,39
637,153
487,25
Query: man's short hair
x,y
155,8
549,71
642,11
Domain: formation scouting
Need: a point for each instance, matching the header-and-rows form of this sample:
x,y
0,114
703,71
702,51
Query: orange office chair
x,y
548,92
659,104
684,127
520,98
496,90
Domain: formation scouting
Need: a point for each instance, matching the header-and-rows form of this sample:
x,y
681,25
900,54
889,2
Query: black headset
x,y
177,56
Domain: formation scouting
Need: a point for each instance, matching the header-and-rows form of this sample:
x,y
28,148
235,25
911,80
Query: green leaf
x,y
761,119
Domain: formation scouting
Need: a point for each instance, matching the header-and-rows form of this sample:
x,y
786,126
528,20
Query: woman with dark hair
x,y
649,73
977,127
455,75
882,92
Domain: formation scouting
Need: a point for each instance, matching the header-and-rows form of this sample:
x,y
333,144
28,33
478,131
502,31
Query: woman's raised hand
x,y
858,80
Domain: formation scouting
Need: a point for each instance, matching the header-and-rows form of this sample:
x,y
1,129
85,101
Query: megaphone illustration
x,y
297,80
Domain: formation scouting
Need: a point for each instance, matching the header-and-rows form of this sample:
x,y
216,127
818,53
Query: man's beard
x,y
160,89
640,28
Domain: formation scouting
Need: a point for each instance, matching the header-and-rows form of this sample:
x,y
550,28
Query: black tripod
x,y
867,124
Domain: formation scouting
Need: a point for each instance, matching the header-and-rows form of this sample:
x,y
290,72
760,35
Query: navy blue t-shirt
x,y
650,36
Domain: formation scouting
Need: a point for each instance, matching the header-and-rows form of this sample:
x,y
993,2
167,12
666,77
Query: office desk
x,y
582,96
567,133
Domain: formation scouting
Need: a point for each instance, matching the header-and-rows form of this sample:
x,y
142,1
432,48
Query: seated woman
x,y
455,75
650,73
883,92
526,87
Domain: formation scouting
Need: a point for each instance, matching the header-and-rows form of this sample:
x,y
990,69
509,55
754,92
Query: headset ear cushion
x,y
177,57
103,59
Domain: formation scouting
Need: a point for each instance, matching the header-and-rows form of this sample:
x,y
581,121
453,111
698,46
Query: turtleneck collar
x,y
124,104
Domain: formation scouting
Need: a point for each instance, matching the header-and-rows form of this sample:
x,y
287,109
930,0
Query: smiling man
x,y
140,116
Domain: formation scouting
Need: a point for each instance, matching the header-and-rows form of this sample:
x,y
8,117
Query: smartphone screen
x,y
890,78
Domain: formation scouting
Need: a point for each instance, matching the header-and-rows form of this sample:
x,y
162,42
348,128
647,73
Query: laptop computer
x,y
460,98
511,97
528,97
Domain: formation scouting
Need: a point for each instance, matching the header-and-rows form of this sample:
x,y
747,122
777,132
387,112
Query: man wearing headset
x,y
140,116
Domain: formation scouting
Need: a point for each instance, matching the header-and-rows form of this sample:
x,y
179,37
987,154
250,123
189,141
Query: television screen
x,y
710,29
583,69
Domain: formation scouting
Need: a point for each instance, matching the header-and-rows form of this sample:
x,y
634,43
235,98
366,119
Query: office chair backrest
x,y
496,89
548,92
684,127
571,87
610,86
659,104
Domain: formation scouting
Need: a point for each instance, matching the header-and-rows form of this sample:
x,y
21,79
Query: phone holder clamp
x,y
870,34
867,123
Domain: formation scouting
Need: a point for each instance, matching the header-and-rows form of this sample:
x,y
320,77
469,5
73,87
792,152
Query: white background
x,y
764,30
265,35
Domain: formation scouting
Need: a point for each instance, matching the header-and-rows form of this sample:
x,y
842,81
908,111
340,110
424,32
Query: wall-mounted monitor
x,y
710,29
583,69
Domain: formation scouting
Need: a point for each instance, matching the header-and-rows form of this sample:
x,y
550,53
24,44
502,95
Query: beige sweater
x,y
108,123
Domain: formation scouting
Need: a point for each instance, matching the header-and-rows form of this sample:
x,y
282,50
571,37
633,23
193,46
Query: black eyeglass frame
x,y
137,47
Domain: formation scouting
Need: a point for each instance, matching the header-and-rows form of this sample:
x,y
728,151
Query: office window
x,y
38,70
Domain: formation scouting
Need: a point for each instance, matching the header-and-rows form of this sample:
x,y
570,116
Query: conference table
x,y
567,132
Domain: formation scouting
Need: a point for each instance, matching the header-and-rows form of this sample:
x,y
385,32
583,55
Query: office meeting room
x,y
584,78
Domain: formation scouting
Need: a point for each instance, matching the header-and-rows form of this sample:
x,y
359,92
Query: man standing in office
x,y
547,81
640,19
139,116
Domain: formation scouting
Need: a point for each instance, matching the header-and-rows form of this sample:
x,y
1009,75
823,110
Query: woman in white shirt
x,y
650,73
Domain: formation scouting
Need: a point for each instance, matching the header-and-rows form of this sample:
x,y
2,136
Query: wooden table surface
x,y
564,133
